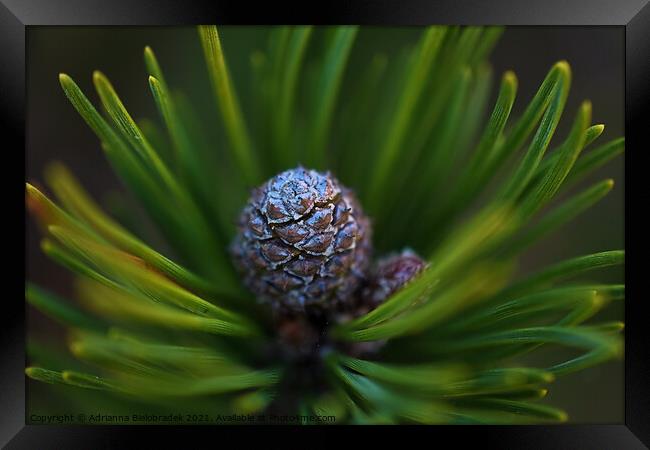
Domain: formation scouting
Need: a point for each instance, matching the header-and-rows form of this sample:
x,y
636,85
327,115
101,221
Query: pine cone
x,y
390,274
303,241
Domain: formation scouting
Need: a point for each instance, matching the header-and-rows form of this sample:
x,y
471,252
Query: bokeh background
x,y
56,132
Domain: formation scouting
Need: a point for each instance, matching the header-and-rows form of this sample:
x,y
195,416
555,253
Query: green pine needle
x,y
326,92
241,145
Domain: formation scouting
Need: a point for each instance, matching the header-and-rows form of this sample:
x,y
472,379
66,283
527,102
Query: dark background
x,y
56,132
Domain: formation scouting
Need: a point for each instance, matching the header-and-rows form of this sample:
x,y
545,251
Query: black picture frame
x,y
633,15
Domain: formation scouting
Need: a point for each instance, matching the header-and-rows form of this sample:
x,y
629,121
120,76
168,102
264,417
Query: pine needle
x,y
240,142
337,52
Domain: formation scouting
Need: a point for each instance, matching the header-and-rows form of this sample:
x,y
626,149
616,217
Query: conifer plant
x,y
350,256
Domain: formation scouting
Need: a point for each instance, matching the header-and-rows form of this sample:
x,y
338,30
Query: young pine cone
x,y
303,241
391,273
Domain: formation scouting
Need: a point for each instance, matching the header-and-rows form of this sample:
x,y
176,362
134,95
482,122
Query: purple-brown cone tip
x,y
390,275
